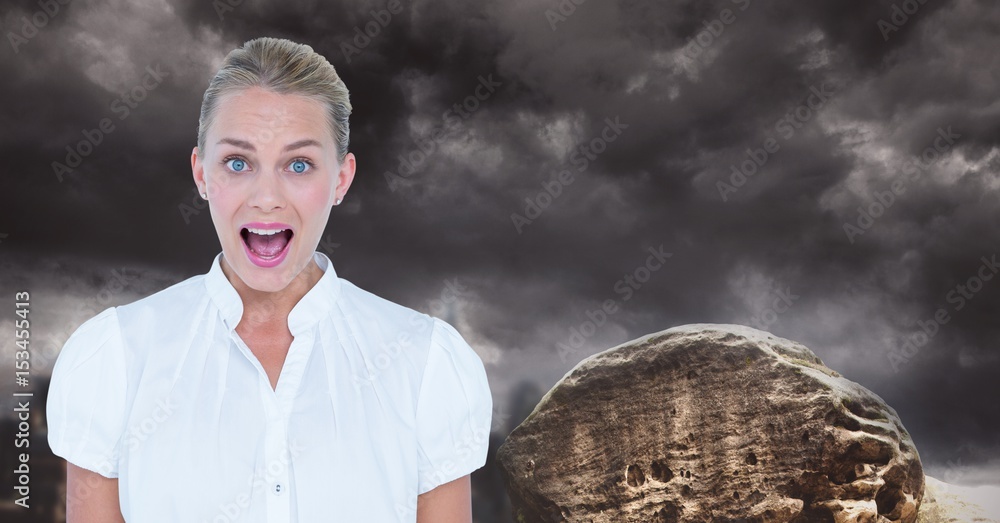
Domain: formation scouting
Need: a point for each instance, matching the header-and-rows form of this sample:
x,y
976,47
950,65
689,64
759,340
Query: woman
x,y
269,389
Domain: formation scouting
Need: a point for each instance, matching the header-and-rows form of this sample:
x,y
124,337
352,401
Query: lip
x,y
254,258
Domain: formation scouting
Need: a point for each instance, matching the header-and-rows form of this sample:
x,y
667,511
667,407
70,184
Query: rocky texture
x,y
947,503
710,423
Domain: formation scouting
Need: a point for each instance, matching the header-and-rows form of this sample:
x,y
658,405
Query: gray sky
x,y
646,108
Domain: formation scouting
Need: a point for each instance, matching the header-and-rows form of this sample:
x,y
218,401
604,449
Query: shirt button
x,y
278,488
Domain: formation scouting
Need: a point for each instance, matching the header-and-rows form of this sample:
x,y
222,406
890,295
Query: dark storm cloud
x,y
690,106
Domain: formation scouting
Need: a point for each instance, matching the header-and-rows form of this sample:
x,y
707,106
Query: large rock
x,y
710,423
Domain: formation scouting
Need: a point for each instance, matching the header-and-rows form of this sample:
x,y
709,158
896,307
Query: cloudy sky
x,y
827,171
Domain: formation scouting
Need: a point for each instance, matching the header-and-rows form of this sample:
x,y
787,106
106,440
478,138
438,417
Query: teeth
x,y
264,232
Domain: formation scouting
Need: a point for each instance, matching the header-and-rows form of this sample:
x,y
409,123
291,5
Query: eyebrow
x,y
290,147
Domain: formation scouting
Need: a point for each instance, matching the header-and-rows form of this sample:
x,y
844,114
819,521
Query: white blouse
x,y
375,404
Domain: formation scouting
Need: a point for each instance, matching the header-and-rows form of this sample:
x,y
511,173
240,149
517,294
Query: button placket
x,y
276,481
277,460
243,348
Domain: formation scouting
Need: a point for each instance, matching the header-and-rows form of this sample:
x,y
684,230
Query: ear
x,y
345,176
198,171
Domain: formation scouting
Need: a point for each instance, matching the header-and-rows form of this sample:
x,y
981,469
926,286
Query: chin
x,y
266,280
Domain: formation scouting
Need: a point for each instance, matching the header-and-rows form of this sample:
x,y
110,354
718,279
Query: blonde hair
x,y
284,67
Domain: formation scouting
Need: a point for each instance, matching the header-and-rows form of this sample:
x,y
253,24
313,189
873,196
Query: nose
x,y
266,193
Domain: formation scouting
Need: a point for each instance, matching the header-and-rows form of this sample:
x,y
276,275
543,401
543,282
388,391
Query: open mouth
x,y
266,247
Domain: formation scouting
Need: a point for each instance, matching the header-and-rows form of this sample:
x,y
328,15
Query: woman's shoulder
x,y
186,288
420,329
93,333
177,299
381,313
388,327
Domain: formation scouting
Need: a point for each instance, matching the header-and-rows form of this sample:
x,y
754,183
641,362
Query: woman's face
x,y
271,173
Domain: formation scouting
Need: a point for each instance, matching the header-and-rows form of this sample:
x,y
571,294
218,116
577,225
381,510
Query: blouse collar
x,y
313,306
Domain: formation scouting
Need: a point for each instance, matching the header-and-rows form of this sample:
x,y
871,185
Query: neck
x,y
262,308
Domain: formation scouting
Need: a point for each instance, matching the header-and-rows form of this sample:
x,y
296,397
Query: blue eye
x,y
300,166
236,164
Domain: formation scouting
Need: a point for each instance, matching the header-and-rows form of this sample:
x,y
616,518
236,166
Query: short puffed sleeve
x,y
86,399
454,410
